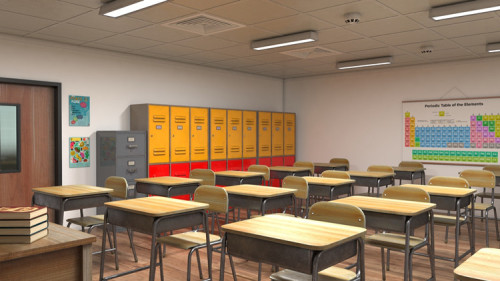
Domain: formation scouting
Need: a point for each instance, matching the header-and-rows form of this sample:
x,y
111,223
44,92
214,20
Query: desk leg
x,y
407,265
361,259
87,262
473,236
431,246
222,257
103,248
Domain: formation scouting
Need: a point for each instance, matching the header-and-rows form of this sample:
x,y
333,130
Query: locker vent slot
x,y
235,121
199,120
289,146
289,123
219,150
278,123
180,151
250,122
219,121
159,118
199,150
235,149
180,119
264,122
264,148
159,151
277,147
249,148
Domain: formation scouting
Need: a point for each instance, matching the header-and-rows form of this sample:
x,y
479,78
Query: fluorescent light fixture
x,y
464,9
286,40
117,8
493,47
364,63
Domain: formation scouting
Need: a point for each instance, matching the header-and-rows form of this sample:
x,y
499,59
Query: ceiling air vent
x,y
311,53
203,24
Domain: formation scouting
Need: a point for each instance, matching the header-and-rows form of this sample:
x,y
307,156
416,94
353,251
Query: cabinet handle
x,y
132,146
131,171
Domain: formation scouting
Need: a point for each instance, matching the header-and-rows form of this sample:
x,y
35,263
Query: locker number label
x,y
277,128
217,128
158,127
235,128
264,128
198,128
249,128
131,163
131,139
179,127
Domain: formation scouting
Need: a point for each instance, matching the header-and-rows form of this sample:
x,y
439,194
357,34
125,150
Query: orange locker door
x,y
199,134
234,134
218,142
277,134
249,134
264,134
289,134
179,134
159,134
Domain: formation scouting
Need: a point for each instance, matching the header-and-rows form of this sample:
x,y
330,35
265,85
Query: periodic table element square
x,y
472,118
479,118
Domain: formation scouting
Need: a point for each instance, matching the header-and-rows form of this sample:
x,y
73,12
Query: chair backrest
x,y
337,213
305,164
406,193
297,183
335,174
340,161
479,178
411,164
380,168
216,197
261,169
493,168
119,186
206,176
449,182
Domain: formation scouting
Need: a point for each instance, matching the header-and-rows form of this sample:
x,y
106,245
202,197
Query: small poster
x,y
79,152
79,111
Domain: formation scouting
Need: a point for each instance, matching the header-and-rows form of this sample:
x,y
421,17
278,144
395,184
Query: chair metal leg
x,y
388,266
486,221
232,267
189,264
199,264
260,271
161,261
383,262
116,247
496,222
131,239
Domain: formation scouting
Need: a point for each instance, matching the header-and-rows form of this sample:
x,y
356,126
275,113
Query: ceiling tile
x,y
242,50
236,63
127,42
384,26
207,57
420,35
86,3
162,33
170,50
355,45
369,10
24,23
480,50
412,6
162,12
307,6
245,34
57,39
47,9
272,58
252,11
334,35
12,31
424,19
293,24
206,43
440,55
108,47
479,39
75,32
414,48
94,20
380,52
469,28
202,5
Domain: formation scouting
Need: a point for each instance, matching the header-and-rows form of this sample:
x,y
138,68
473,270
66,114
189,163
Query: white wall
x,y
358,115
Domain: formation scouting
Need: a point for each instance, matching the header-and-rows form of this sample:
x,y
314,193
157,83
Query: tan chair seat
x,y
446,220
482,206
487,195
187,240
392,240
330,274
87,221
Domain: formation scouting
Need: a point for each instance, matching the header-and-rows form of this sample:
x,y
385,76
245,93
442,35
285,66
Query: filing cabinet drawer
x,y
131,167
132,143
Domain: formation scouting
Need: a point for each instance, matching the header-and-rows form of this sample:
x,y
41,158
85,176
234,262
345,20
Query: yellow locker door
x,y
179,134
289,133
234,134
277,134
158,134
218,134
264,134
249,134
199,134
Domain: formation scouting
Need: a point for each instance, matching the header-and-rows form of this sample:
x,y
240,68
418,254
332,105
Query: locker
x,y
289,160
218,129
277,161
289,134
264,135
248,162
180,170
199,165
199,134
234,164
234,135
265,161
249,134
220,165
160,170
179,134
277,134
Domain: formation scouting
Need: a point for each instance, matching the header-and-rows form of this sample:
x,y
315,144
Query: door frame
x,y
57,118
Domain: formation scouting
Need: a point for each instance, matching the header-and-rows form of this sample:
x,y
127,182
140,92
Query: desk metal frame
x,y
232,180
260,203
321,167
166,190
373,182
409,175
330,191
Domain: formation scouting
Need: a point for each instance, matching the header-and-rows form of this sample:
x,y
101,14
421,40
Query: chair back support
x,y
216,197
406,193
337,213
206,176
305,164
335,174
411,164
119,186
449,182
380,168
343,161
493,168
297,183
261,169
479,178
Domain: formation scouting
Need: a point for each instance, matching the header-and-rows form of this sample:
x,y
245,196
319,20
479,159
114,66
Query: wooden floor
x,y
175,263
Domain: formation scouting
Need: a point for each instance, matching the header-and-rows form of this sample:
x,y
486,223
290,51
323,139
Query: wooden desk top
x,y
168,181
367,174
289,169
483,265
331,165
258,190
156,206
238,174
72,190
388,206
303,233
58,238
327,181
444,190
408,169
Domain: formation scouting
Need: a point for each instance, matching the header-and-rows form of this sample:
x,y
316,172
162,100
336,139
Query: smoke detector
x,y
352,18
426,49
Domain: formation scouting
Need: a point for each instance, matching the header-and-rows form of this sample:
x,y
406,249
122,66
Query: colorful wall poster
x,y
79,111
79,152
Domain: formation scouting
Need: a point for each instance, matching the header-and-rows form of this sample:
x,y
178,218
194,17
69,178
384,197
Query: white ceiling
x,y
397,28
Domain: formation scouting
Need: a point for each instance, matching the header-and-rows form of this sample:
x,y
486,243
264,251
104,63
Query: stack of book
x,y
22,225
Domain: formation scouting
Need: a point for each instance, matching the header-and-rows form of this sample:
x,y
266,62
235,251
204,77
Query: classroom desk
x,y
258,197
167,186
280,172
397,215
228,178
481,266
452,199
329,187
372,179
302,245
409,173
70,197
64,254
321,167
153,215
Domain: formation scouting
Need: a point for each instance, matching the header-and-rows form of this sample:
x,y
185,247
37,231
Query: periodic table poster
x,y
461,131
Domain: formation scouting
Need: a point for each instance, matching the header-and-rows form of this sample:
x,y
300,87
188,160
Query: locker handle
x,y
131,171
132,146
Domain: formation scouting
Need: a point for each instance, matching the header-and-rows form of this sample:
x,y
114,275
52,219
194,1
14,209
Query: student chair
x,y
305,164
382,169
335,174
336,213
206,176
301,195
496,170
343,161
261,169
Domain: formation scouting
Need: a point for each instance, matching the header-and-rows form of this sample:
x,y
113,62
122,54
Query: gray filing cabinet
x,y
123,154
